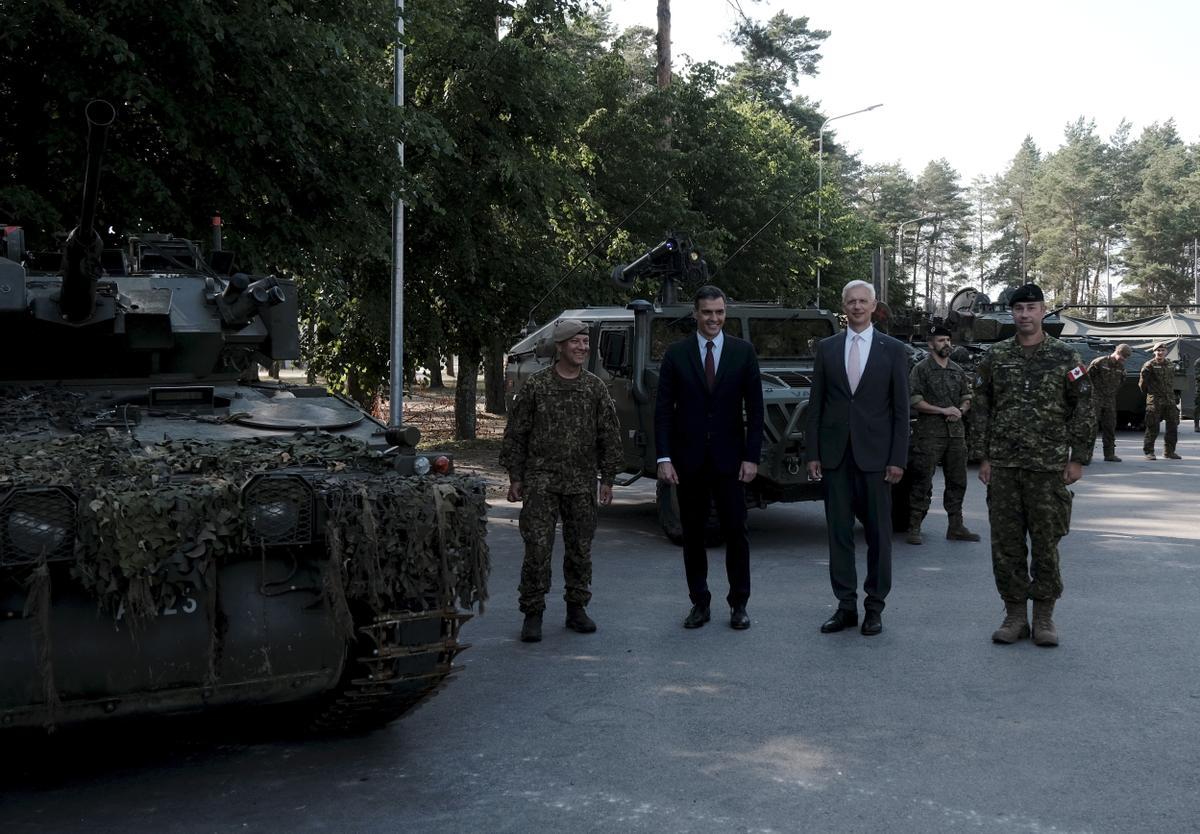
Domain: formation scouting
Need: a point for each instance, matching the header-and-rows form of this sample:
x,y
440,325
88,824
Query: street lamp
x,y
900,251
821,181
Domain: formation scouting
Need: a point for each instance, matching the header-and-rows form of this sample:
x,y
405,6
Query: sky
x,y
967,80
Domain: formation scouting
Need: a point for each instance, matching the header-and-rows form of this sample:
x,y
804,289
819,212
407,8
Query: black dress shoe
x,y
872,624
842,618
738,618
698,616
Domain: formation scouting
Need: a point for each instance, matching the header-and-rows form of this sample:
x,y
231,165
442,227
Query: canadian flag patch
x,y
1075,373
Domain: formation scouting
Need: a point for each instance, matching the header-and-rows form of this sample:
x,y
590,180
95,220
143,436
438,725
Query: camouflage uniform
x,y
1157,380
937,441
1106,376
560,434
1196,401
1032,413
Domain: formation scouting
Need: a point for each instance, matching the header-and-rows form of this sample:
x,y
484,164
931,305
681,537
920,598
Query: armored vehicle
x,y
176,535
628,345
977,322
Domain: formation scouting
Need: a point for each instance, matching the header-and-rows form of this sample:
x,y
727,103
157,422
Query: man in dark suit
x,y
706,448
857,443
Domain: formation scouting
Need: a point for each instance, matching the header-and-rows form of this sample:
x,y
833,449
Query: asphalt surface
x,y
647,727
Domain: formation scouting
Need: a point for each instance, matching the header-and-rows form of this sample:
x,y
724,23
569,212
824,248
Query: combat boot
x,y
958,532
578,620
914,533
1015,625
531,631
1172,456
1044,632
1111,457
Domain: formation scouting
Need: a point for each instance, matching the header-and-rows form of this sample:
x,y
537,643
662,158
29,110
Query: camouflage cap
x,y
567,329
1162,345
1029,292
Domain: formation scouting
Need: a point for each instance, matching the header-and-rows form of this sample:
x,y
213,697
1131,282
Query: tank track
x,y
400,660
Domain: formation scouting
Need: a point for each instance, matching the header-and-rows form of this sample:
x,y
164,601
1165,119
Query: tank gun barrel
x,y
82,262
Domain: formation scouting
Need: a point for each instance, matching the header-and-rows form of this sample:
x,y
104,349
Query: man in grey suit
x,y
857,444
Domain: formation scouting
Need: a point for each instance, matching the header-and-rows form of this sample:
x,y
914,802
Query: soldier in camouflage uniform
x,y
1157,382
1106,374
941,395
1033,430
561,434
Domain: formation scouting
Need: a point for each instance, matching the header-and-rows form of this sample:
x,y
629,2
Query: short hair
x,y
709,291
1123,349
854,285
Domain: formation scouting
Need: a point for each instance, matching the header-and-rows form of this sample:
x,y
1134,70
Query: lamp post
x,y
821,181
900,250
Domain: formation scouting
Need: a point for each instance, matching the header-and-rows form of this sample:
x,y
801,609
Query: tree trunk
x,y
434,363
664,64
464,396
450,366
361,391
493,378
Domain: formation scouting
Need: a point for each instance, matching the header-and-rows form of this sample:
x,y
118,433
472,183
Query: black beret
x,y
1029,292
939,330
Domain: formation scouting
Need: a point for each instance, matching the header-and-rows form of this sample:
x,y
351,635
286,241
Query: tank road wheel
x,y
399,661
668,518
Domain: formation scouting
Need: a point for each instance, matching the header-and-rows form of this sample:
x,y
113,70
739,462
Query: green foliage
x,y
774,56
276,115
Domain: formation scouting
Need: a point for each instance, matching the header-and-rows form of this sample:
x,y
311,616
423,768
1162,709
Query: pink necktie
x,y
854,366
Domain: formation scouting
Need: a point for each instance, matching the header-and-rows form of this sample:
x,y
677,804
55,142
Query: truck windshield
x,y
665,331
786,338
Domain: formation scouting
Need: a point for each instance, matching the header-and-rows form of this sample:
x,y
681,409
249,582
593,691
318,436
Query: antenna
x,y
531,325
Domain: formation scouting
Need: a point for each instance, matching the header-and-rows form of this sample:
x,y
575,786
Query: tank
x,y
628,344
180,536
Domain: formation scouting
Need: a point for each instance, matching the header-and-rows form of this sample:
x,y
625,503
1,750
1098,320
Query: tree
x,y
1163,221
1069,204
887,195
774,56
946,245
277,116
1012,248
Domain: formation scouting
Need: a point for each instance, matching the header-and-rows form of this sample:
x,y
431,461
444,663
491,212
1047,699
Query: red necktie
x,y
710,367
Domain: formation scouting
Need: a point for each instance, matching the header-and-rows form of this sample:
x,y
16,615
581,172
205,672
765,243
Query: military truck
x,y
628,345
177,535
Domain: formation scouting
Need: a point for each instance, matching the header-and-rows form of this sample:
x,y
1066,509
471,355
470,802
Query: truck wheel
x,y
668,518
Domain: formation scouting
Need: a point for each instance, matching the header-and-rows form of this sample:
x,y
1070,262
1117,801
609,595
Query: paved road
x,y
647,727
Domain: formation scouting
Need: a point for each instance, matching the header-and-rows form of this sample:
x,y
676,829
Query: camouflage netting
x,y
154,518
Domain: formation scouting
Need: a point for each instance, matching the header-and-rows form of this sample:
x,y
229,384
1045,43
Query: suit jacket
x,y
873,420
690,422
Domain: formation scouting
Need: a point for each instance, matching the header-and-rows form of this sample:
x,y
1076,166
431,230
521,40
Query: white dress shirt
x,y
718,343
864,349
